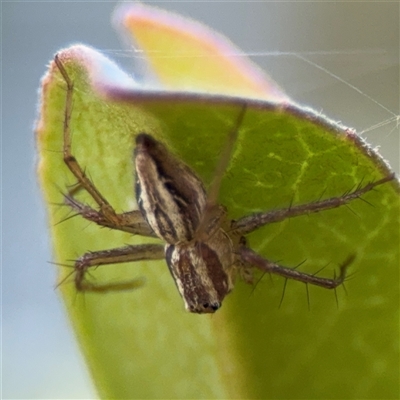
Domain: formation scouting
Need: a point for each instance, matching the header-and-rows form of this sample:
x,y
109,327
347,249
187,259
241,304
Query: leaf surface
x,y
142,344
186,55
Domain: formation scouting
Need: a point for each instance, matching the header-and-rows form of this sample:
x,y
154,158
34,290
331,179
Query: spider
x,y
204,250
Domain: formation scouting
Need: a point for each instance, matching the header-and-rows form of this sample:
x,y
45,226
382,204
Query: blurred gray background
x,y
357,41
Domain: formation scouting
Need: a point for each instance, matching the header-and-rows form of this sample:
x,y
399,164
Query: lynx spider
x,y
204,250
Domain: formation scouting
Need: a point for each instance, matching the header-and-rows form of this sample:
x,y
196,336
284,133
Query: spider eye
x,y
213,306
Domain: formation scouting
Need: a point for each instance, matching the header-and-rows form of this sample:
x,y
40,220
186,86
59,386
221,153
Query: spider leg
x,y
214,213
106,210
131,221
114,256
245,225
225,158
251,257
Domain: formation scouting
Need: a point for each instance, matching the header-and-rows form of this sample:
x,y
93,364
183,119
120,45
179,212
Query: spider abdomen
x,y
169,194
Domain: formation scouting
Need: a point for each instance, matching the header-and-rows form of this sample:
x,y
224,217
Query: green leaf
x,y
142,344
186,55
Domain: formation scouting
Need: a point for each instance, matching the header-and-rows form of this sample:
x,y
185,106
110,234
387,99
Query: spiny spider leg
x,y
105,208
131,221
213,212
225,159
114,256
251,257
250,223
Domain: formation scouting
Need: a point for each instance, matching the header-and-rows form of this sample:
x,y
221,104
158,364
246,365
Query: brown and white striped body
x,y
172,199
